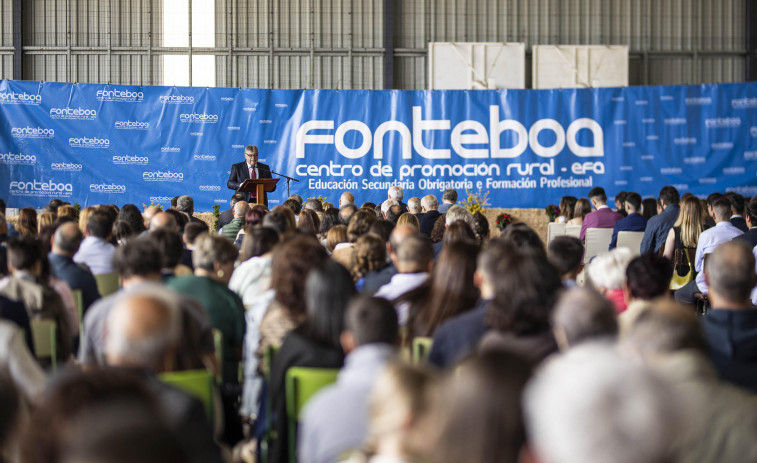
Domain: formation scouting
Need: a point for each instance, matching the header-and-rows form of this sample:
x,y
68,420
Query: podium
x,y
259,186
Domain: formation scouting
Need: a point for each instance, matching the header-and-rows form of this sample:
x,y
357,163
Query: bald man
x,y
231,229
149,214
163,220
66,241
346,198
144,328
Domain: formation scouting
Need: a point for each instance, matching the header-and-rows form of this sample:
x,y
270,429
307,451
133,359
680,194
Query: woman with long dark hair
x,y
315,343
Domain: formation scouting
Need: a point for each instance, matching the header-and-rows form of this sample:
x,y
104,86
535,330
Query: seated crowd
x,y
533,355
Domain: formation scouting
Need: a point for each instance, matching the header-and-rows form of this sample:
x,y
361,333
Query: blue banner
x,y
98,144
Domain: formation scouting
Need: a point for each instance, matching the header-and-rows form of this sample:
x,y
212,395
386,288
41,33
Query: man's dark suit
x,y
240,173
740,223
750,237
427,221
225,217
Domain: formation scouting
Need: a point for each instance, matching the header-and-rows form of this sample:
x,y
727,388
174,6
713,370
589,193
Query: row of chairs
x,y
597,239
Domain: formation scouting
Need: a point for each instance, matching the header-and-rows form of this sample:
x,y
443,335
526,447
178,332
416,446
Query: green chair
x,y
108,283
421,349
79,302
44,337
197,383
301,385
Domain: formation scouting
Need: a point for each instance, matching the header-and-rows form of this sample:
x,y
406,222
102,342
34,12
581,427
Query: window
x,y
176,18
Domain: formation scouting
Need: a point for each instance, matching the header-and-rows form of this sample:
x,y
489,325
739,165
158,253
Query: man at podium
x,y
250,168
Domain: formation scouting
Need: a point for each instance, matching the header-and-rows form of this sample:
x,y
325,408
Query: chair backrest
x,y
573,230
631,240
554,230
421,349
108,283
197,383
218,347
79,302
44,339
597,242
301,385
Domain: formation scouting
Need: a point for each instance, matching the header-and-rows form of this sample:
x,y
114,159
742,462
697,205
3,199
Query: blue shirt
x,y
97,254
708,241
658,228
634,222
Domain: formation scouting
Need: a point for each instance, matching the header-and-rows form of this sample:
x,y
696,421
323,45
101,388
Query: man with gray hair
x,y
731,324
396,193
144,328
449,198
590,405
414,206
429,214
720,420
581,315
386,205
456,213
231,229
186,205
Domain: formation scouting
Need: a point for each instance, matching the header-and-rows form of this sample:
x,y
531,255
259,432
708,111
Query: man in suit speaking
x,y
249,168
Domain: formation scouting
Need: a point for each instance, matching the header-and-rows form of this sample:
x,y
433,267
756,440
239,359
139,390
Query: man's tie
x,y
253,176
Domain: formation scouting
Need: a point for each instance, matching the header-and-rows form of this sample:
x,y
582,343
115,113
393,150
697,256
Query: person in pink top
x,y
603,216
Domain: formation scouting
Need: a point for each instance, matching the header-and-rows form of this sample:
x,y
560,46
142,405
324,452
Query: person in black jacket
x,y
249,168
315,344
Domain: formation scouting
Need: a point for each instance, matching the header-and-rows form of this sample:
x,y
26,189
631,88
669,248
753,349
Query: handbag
x,y
679,281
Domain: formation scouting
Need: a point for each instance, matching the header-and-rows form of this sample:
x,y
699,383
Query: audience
x,y
400,411
580,210
144,328
750,236
589,405
607,274
315,343
449,199
603,216
24,284
335,420
27,222
566,207
230,230
647,279
413,261
458,336
719,420
633,221
526,289
671,387
583,315
95,251
737,211
709,240
659,226
566,254
731,325
478,410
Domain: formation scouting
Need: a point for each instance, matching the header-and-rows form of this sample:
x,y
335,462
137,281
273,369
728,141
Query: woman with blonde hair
x,y
67,210
684,236
45,219
84,217
409,219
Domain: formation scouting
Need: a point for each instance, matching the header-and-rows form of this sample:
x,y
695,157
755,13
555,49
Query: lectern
x,y
259,186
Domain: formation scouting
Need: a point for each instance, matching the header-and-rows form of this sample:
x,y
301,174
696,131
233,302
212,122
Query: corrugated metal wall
x,y
340,43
